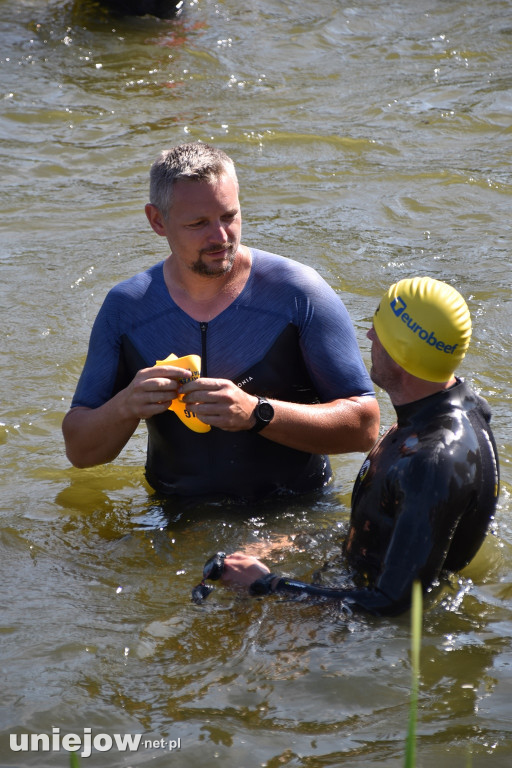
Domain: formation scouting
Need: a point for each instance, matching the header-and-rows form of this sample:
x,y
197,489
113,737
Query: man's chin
x,y
374,376
214,268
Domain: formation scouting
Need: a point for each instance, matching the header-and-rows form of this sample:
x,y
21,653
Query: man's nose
x,y
218,231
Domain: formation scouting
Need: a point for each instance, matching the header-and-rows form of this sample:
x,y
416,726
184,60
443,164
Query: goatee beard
x,y
201,268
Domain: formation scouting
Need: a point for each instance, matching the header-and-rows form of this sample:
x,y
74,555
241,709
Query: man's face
x,y
204,225
384,370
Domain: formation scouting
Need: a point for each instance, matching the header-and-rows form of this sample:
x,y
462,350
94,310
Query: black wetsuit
x,y
422,501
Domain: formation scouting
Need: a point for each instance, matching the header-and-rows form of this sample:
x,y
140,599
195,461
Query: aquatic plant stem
x,y
416,627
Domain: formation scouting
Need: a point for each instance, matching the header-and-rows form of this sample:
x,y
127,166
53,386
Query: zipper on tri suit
x,y
204,366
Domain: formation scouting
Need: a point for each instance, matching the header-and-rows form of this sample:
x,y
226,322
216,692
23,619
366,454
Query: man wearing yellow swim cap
x,y
425,494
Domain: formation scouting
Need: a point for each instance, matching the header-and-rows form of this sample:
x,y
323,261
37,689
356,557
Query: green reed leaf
x,y
416,627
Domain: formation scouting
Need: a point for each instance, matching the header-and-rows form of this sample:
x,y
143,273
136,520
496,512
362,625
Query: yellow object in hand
x,y
191,363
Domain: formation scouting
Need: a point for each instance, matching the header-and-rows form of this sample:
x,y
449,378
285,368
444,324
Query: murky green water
x,y
372,141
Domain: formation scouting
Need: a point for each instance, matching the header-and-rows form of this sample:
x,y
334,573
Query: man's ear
x,y
155,219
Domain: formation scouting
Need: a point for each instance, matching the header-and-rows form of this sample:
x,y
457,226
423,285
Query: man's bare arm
x,y
97,435
340,426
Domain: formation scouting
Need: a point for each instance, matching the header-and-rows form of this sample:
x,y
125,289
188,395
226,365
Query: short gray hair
x,y
197,161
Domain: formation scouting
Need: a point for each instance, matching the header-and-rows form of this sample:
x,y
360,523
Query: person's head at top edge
x,y
194,204
420,334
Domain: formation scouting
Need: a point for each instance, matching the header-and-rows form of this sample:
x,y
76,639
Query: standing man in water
x,y
282,383
425,495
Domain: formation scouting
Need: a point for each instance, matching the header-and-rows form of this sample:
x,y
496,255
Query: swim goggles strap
x,y
263,585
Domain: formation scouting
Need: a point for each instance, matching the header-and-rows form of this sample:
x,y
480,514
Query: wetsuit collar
x,y
454,395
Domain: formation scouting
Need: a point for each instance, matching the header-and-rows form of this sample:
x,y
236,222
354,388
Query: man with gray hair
x,y
244,364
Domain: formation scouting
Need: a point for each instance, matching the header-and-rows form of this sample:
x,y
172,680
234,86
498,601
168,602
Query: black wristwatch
x,y
263,413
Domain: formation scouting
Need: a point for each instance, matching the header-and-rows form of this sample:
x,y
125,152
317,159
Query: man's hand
x,y
97,435
242,569
152,390
220,403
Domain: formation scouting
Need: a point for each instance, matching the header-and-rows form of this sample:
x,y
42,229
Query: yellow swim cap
x,y
425,326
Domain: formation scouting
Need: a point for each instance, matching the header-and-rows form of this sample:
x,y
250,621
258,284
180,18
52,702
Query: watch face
x,y
265,411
